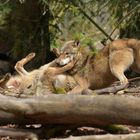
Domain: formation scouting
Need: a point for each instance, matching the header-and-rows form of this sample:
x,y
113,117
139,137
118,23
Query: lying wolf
x,y
101,70
46,79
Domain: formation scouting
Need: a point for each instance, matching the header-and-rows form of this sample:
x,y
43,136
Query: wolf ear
x,y
77,43
56,51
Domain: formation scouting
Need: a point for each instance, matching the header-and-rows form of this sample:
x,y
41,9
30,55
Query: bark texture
x,y
70,109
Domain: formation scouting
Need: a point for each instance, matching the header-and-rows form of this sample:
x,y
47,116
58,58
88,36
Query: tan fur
x,y
89,71
38,80
107,66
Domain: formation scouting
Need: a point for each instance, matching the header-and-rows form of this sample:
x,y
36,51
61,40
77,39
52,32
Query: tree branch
x,y
92,21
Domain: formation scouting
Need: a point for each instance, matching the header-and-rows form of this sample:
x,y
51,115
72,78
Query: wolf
x,y
39,80
100,70
77,69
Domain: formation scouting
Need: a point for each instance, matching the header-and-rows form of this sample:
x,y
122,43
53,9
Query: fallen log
x,y
104,137
17,133
84,110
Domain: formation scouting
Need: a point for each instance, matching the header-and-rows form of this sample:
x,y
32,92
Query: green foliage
x,y
119,9
78,36
60,90
5,9
30,29
55,44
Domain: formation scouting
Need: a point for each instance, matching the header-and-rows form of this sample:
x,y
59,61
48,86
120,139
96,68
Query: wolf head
x,y
67,52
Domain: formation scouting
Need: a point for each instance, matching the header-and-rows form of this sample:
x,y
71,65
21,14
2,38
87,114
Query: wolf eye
x,y
29,86
73,45
67,53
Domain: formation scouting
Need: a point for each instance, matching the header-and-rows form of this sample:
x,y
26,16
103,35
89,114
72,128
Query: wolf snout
x,y
63,61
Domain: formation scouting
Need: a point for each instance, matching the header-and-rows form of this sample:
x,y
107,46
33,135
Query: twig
x,y
107,90
129,80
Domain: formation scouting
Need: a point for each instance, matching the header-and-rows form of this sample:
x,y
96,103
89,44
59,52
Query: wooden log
x,y
104,137
70,109
17,133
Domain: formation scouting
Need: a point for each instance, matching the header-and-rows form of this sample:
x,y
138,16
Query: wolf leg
x,y
4,80
136,64
53,71
19,65
119,62
82,84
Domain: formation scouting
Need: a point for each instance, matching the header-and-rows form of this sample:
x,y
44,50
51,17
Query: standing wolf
x,y
103,69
